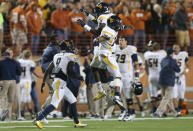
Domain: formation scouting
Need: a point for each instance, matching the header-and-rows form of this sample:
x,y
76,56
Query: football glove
x,y
42,87
84,11
81,22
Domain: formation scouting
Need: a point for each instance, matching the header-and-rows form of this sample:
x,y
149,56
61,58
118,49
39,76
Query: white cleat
x,y
133,116
45,121
67,118
142,114
21,119
122,115
106,117
129,117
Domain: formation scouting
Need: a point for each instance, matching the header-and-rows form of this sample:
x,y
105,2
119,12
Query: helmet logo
x,y
111,20
67,42
100,6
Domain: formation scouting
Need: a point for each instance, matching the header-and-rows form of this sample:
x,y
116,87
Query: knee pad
x,y
129,102
159,97
117,82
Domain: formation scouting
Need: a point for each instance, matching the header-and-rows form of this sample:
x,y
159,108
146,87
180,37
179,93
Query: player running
x,y
63,64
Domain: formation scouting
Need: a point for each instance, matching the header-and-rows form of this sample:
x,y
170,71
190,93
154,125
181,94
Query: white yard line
x,y
5,127
136,119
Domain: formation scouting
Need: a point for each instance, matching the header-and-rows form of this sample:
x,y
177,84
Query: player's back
x,y
181,58
27,66
103,18
61,61
153,60
111,35
123,58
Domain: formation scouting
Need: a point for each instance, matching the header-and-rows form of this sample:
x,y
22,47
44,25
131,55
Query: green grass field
x,y
140,124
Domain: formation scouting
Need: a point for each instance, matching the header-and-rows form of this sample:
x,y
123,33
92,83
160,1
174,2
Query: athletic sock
x,y
74,113
117,93
45,112
99,85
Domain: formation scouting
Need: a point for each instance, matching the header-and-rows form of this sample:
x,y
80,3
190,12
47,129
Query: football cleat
x,y
142,114
100,95
80,125
122,115
129,117
45,121
4,114
117,100
21,119
38,124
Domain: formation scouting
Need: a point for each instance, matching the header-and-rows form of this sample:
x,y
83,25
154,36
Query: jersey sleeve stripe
x,y
102,17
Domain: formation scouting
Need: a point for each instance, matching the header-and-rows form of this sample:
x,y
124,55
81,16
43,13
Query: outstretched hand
x,y
84,11
81,22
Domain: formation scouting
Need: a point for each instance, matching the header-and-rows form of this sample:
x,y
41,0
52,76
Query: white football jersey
x,y
27,66
61,61
106,46
153,60
180,58
103,18
123,58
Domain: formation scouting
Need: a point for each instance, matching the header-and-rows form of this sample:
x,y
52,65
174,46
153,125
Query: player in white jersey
x,y
63,64
152,66
102,13
28,67
180,82
127,59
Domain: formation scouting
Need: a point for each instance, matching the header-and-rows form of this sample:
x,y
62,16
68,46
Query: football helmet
x,y
67,46
101,8
137,88
114,22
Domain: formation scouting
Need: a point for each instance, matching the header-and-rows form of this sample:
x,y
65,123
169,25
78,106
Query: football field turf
x,y
140,124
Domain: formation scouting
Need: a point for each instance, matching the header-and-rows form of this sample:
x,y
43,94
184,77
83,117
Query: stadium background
x,y
84,42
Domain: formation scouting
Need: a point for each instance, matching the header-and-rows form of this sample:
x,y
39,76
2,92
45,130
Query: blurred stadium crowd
x,y
31,22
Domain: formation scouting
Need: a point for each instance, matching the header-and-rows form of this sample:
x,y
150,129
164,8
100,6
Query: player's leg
x,y
101,91
68,95
181,92
95,65
113,68
140,105
28,98
23,97
153,92
56,98
129,99
175,96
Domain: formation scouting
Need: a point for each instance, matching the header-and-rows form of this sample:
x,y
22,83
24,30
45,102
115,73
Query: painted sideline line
x,y
5,127
136,119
